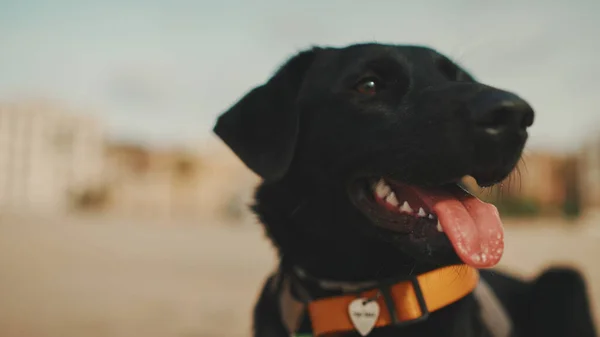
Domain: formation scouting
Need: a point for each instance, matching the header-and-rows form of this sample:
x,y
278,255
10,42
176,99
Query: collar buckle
x,y
386,293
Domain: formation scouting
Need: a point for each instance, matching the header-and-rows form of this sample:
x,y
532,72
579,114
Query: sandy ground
x,y
74,278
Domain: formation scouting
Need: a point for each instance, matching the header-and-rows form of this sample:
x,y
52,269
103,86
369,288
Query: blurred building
x,y
53,161
47,154
176,183
589,172
228,185
541,177
541,180
151,182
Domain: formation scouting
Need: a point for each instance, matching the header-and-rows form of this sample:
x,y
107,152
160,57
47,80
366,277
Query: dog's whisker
x,y
412,269
297,208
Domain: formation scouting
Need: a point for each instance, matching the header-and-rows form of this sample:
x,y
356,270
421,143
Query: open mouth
x,y
471,225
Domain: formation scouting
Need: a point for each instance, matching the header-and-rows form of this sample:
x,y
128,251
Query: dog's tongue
x,y
473,226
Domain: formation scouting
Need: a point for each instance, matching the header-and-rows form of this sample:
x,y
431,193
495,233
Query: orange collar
x,y
402,302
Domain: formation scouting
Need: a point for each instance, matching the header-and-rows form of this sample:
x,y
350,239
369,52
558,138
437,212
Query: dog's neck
x,y
324,246
326,251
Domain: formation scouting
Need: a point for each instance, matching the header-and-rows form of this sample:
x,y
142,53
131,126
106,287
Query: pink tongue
x,y
473,226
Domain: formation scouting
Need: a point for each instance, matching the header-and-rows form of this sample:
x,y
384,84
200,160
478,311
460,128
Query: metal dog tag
x,y
363,314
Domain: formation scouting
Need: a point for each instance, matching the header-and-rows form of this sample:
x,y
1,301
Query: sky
x,y
162,71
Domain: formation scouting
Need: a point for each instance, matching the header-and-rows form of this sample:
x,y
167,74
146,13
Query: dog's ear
x,y
262,128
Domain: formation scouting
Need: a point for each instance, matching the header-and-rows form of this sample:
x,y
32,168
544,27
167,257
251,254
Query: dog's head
x,y
375,139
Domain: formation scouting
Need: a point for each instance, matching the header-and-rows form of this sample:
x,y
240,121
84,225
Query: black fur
x,y
317,127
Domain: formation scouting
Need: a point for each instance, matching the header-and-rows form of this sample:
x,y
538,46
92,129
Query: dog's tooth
x,y
439,227
430,216
382,189
422,213
406,208
391,199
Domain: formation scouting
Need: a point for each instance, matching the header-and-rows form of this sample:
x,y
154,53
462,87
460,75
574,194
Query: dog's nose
x,y
498,111
500,121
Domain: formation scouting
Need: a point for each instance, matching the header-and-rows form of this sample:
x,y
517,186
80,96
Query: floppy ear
x,y
262,128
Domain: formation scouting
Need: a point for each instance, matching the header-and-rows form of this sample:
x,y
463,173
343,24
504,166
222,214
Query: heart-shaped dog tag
x,y
363,314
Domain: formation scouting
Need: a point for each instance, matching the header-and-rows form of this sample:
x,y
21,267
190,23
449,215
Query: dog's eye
x,y
368,86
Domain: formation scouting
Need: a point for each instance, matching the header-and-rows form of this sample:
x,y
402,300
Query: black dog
x,y
361,150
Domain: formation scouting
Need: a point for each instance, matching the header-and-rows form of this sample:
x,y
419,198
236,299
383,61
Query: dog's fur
x,y
317,125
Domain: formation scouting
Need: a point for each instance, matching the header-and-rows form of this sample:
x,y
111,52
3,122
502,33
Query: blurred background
x,y
122,215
